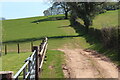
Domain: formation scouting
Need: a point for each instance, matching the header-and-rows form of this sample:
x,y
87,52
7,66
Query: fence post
x,y
18,48
32,46
5,49
37,64
6,75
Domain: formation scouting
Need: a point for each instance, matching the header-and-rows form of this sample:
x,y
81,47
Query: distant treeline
x,y
2,18
62,8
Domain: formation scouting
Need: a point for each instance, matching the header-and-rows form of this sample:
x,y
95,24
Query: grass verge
x,y
52,68
13,61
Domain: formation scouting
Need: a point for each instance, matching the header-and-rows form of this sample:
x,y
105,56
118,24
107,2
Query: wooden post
x,y
32,46
18,48
24,73
37,64
29,65
5,49
6,75
40,47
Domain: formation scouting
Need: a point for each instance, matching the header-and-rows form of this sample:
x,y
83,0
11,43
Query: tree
x,y
112,6
46,13
63,5
86,11
57,10
2,18
53,11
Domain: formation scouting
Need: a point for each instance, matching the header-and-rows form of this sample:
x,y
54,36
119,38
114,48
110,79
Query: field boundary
x,y
33,64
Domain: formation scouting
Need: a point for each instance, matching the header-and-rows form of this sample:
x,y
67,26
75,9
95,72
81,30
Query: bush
x,y
95,33
109,37
102,11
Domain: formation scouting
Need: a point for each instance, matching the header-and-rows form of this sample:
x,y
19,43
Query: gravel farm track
x,y
87,64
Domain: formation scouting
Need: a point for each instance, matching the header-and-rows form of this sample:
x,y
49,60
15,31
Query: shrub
x,y
95,33
109,37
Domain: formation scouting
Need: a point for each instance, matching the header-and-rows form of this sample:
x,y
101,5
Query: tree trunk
x,y
87,29
66,14
86,23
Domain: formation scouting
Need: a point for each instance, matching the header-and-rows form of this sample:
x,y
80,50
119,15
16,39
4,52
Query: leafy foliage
x,y
110,37
86,11
63,5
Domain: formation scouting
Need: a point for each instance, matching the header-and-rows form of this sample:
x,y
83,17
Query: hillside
x,y
108,19
59,33
50,26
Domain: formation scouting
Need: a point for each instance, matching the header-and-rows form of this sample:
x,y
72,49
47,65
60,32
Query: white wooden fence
x,y
33,64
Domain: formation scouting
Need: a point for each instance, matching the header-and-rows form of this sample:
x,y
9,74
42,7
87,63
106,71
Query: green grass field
x,y
59,32
52,67
108,19
24,31
13,61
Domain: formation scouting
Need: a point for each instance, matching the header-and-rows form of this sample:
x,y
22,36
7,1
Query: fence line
x,y
33,64
43,55
18,48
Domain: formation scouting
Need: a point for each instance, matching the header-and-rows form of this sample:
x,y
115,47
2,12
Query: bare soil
x,y
87,64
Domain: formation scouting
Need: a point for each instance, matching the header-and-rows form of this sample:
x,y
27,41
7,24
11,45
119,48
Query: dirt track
x,y
87,64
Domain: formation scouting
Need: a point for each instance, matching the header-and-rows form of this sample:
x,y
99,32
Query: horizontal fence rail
x,y
27,65
33,64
